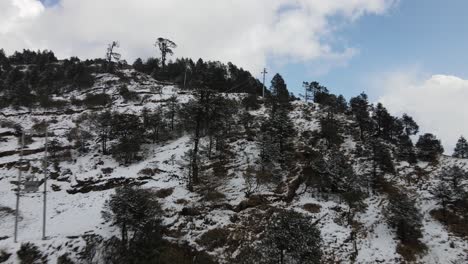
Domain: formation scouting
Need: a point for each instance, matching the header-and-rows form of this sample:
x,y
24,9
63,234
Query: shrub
x,y
30,254
93,100
214,238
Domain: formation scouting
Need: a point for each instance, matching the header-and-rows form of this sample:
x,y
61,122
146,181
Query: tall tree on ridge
x,y
461,149
112,55
166,46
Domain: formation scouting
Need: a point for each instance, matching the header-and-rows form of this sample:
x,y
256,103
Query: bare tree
x,y
166,46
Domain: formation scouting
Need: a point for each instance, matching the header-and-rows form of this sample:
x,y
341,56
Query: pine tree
x,y
290,238
429,148
128,130
450,191
360,109
410,126
330,130
279,92
166,47
384,122
403,215
136,212
461,149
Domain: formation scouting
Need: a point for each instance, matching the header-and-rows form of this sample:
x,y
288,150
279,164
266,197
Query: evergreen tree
x,y
269,149
279,92
128,131
403,215
405,150
451,189
410,126
429,148
330,130
384,122
138,65
461,149
172,110
290,238
360,108
136,212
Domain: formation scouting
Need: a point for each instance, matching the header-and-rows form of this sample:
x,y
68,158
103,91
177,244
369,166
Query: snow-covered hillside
x,y
83,182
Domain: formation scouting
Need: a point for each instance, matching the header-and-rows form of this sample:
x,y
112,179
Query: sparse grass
x,y
214,196
312,208
163,193
147,172
454,223
214,238
411,251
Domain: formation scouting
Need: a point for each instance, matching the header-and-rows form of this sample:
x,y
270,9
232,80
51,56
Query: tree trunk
x,y
195,150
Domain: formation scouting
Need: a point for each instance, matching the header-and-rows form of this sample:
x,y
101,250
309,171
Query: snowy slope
x,y
70,216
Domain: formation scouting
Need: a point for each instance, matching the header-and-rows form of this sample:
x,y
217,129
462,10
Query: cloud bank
x,y
246,32
438,103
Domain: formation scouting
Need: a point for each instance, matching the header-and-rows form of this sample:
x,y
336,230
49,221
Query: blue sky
x,y
428,34
412,55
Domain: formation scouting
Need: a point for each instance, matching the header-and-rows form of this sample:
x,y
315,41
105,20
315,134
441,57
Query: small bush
x,y
163,193
93,100
4,256
214,238
30,254
64,259
147,172
214,195
455,223
312,208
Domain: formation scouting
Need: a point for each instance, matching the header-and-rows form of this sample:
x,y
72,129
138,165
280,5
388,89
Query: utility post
x,y
18,186
44,213
263,88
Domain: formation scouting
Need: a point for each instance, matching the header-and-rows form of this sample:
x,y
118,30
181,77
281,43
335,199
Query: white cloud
x,y
246,32
438,102
15,12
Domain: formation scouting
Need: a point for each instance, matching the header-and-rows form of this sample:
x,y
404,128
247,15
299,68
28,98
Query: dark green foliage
x,y
429,148
384,122
382,158
154,125
330,130
409,125
136,212
128,131
251,102
211,75
360,109
461,149
451,189
127,94
166,47
30,77
275,138
209,114
403,215
405,150
4,256
64,259
289,238
93,100
279,92
30,254
101,124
